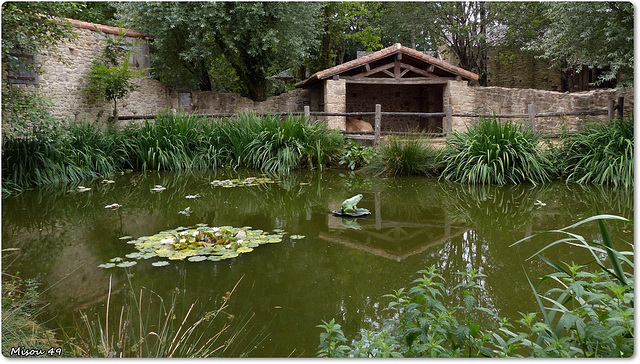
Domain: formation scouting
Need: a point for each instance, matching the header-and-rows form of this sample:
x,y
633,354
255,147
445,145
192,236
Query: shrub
x,y
405,156
601,154
356,155
591,314
492,152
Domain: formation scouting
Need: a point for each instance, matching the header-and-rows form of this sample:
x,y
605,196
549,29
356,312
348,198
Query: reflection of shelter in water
x,y
391,238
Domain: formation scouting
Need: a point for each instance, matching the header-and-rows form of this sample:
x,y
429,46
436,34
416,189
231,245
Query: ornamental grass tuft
x,y
601,154
491,152
405,156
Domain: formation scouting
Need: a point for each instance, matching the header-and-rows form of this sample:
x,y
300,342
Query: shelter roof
x,y
106,28
416,62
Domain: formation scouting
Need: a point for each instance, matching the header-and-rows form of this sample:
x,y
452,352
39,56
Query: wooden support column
x,y
307,112
376,128
532,116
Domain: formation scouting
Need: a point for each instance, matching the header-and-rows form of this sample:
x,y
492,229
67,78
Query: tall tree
x,y
591,34
256,39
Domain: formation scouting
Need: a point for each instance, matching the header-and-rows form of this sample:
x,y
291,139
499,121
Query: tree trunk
x,y
115,111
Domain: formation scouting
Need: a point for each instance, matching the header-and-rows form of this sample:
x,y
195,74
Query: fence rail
x,y
531,115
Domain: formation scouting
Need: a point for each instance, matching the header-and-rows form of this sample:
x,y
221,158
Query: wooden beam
x,y
372,71
387,72
431,68
417,70
401,81
367,67
396,67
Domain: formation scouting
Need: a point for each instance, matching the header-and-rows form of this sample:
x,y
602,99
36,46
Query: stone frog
x,y
349,205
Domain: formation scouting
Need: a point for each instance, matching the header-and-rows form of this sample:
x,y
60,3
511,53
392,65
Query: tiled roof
x,y
105,28
396,48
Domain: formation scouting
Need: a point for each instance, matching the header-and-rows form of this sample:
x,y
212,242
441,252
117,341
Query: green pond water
x,y
340,269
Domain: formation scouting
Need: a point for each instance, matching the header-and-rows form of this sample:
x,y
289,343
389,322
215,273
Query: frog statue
x,y
349,205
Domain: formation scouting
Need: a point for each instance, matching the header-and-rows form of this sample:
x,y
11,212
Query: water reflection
x,y
341,269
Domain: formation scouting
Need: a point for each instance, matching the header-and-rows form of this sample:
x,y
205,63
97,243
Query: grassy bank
x,y
171,142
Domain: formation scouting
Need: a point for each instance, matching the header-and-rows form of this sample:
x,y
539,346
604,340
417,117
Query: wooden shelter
x,y
400,79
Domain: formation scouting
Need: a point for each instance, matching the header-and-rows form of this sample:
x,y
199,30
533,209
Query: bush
x,y
601,154
356,155
492,152
590,314
405,156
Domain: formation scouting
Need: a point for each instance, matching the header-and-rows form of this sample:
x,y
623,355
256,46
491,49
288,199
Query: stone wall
x,y
63,80
500,100
522,71
211,102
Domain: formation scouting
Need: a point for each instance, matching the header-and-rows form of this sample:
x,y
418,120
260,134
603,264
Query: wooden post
x,y
307,112
620,107
532,117
449,120
378,120
611,109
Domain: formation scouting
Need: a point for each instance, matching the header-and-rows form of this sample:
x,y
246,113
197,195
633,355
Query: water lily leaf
x,y
215,258
126,264
278,230
107,265
297,237
244,249
161,263
251,244
197,258
115,260
136,255
229,254
126,237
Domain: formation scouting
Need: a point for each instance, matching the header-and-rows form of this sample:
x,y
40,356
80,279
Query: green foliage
x,y
356,155
25,114
173,142
405,156
601,154
590,315
20,311
492,152
110,75
256,39
592,34
31,27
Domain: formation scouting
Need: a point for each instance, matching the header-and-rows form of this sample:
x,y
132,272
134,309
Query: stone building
x,y
398,78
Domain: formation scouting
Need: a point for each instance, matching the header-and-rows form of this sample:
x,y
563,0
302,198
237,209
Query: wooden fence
x,y
614,109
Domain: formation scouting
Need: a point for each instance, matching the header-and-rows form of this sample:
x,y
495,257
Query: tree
x,y
256,39
110,75
591,34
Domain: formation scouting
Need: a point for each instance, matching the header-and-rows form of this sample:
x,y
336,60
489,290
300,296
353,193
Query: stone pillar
x,y
335,100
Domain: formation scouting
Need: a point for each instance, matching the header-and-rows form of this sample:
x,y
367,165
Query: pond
x,y
340,269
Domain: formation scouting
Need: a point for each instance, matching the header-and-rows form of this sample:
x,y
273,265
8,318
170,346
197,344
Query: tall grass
x,y
173,142
405,156
493,152
147,326
601,154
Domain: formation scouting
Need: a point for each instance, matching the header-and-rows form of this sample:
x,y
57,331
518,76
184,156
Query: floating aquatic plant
x,y
197,244
249,181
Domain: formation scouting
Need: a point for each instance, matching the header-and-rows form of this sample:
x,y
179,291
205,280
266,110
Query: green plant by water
x,y
601,154
494,152
583,312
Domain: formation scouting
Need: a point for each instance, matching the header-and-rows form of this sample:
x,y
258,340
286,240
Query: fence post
x,y
620,107
532,117
378,120
611,109
307,111
449,120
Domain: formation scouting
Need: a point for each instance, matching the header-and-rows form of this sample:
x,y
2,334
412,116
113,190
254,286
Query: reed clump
x,y
491,152
411,155
172,142
601,154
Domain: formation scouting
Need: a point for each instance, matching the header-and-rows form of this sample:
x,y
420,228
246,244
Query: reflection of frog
x,y
349,205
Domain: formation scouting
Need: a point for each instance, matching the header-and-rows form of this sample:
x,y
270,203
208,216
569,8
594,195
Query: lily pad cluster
x,y
249,181
197,244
